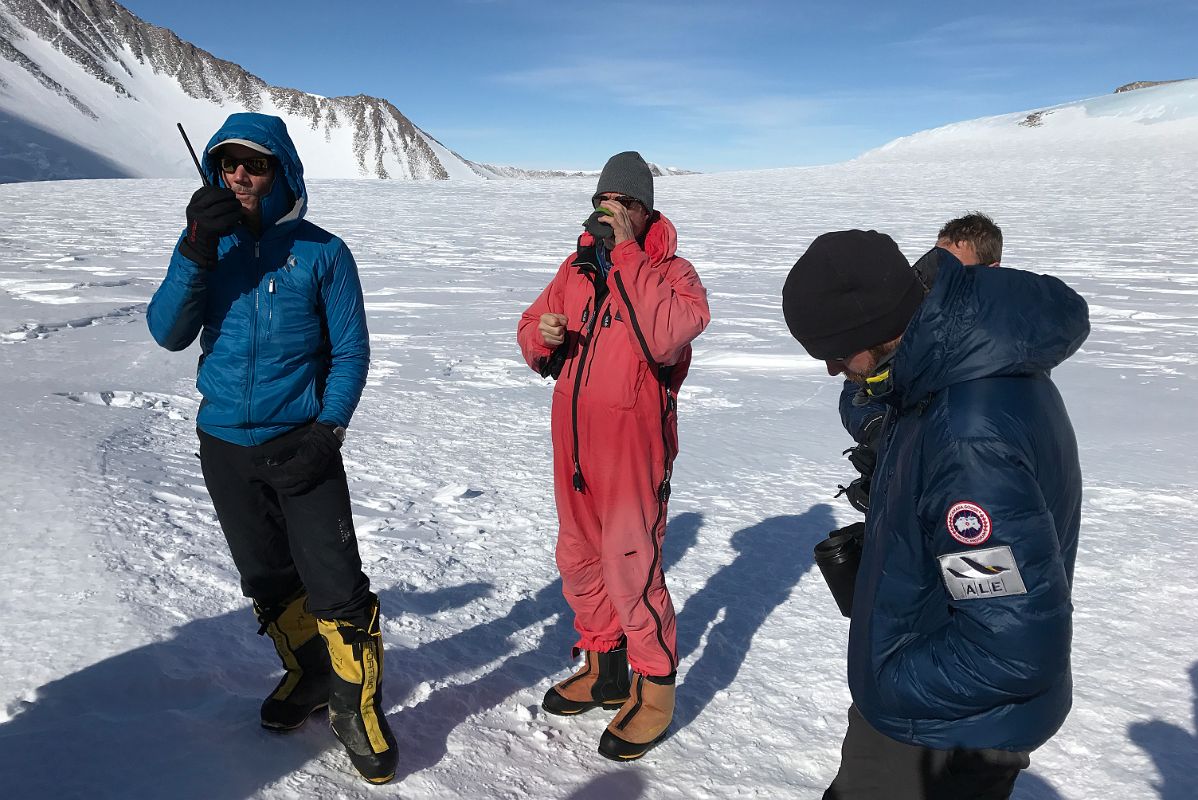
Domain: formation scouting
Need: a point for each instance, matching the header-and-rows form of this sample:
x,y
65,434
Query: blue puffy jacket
x,y
961,624
281,320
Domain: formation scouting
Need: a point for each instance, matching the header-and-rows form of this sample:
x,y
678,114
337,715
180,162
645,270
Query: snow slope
x,y
129,665
1156,118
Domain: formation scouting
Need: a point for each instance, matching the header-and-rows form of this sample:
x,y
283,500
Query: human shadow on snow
x,y
423,729
626,784
1173,750
772,556
1029,786
179,717
174,718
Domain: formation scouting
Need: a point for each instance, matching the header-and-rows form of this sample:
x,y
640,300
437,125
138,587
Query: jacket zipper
x,y
270,307
249,395
577,480
605,323
586,317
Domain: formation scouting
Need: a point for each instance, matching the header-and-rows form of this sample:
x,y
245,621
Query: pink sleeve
x,y
667,306
550,302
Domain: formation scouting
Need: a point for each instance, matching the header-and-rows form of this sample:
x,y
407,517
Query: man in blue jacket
x,y
277,305
961,617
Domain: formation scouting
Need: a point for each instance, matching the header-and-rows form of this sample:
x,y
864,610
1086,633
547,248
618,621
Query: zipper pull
x,y
257,245
271,286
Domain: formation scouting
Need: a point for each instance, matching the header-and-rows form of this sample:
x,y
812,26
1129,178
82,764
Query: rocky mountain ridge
x,y
88,89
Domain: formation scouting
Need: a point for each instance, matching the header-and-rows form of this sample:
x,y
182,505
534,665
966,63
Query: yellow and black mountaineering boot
x,y
305,684
643,720
355,702
601,682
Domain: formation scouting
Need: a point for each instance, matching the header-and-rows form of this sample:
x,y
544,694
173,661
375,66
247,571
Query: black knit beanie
x,y
851,290
627,173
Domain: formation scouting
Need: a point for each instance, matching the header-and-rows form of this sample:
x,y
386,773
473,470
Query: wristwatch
x,y
338,431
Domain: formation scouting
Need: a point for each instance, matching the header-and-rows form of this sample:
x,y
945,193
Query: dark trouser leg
x,y
320,529
252,521
280,544
875,767
982,774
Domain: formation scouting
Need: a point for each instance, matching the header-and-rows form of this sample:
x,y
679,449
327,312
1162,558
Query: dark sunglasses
x,y
257,165
624,200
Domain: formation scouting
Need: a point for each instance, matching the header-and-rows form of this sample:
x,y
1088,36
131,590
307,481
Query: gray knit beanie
x,y
627,173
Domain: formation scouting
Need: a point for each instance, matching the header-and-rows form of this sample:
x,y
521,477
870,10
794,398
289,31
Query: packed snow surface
x,y
129,664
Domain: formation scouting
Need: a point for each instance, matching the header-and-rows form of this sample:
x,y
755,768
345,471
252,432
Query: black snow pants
x,y
875,767
285,545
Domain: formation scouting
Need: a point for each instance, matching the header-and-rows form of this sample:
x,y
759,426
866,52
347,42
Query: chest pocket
x,y
614,374
293,305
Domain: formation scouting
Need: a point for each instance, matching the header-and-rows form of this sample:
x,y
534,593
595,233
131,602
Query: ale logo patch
x,y
978,574
968,523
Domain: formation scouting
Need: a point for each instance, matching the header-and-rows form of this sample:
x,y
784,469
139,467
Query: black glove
x,y
864,458
600,230
857,493
551,365
212,213
310,464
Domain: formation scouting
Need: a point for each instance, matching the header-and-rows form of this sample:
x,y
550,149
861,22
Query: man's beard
x,y
857,377
876,355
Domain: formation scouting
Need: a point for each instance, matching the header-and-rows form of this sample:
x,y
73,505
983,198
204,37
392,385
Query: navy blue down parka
x,y
281,320
961,622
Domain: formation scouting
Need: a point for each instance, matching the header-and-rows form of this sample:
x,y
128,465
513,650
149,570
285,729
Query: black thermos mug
x,y
838,557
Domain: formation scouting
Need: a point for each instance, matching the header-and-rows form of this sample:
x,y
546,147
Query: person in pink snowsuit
x,y
614,329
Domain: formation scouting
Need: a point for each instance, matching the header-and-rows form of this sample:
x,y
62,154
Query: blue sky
x,y
702,85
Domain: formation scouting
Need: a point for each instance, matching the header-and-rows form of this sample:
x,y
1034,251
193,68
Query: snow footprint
x,y
174,406
451,494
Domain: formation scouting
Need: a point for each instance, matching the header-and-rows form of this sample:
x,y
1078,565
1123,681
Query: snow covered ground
x,y
129,664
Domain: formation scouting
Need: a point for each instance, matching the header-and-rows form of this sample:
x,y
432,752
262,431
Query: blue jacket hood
x,y
288,198
982,322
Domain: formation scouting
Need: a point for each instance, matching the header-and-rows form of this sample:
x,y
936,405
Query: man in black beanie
x,y
959,643
614,328
973,239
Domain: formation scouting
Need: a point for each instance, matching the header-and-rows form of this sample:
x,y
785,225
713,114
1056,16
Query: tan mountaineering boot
x,y
642,721
305,684
355,700
601,682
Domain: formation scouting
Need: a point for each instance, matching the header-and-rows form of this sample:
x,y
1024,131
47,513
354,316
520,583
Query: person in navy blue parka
x,y
277,305
961,618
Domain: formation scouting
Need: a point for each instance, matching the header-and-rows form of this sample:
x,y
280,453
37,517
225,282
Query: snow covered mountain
x,y
89,90
1136,116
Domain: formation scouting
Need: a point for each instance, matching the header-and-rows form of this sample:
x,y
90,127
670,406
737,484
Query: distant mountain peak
x,y
1131,87
82,95
121,55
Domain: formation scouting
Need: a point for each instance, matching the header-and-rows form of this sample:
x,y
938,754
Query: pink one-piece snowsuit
x,y
615,433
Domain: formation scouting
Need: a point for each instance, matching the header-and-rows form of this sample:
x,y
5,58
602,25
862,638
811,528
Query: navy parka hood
x,y
984,322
